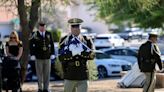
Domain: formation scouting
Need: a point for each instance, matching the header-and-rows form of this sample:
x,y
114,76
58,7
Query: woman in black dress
x,y
14,51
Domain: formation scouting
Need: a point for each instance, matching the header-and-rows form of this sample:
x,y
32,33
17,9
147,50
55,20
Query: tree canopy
x,y
29,13
144,13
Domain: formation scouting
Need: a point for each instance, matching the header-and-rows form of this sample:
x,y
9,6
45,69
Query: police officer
x,y
75,66
148,56
42,49
1,57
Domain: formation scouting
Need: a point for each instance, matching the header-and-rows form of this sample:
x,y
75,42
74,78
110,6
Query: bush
x,y
56,34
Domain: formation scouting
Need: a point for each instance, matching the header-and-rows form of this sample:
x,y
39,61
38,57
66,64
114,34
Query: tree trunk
x,y
25,35
26,28
34,14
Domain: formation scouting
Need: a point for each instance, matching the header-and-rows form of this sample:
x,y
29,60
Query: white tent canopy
x,y
134,78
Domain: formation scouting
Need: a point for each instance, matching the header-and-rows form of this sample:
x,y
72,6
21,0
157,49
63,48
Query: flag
x,y
75,46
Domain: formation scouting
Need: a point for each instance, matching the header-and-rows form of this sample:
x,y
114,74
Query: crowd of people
x,y
74,52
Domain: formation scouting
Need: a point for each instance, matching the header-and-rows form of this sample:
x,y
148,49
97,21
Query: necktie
x,y
42,34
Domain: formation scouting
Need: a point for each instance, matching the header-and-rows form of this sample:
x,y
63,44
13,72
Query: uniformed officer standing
x,y
148,56
1,57
42,48
75,65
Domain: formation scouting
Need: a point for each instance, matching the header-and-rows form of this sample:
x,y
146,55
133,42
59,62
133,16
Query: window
x,y
102,56
113,52
131,53
124,52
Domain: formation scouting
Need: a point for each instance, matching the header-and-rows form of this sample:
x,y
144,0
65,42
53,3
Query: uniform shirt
x,y
70,63
38,44
148,56
42,33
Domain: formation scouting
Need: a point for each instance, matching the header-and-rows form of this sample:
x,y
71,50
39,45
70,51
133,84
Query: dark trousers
x,y
0,77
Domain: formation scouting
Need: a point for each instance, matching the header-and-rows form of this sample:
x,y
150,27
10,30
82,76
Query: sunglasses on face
x,y
75,26
12,37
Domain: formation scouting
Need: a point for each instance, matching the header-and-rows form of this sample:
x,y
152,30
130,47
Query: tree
x,y
27,24
28,12
145,13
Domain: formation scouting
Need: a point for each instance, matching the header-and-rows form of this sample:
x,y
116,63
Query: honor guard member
x,y
148,56
1,57
42,49
75,65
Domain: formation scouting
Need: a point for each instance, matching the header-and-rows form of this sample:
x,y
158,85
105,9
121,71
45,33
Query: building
x,y
80,10
6,26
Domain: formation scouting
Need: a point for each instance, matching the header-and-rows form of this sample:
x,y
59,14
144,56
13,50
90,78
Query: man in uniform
x,y
42,49
1,57
148,56
73,59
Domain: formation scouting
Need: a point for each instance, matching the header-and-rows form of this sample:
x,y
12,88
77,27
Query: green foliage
x,y
58,68
145,13
56,34
93,73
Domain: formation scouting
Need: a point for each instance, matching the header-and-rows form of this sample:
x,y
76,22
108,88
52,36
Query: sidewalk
x,y
107,85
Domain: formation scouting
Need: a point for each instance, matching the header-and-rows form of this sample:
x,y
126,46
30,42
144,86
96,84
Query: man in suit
x,y
74,52
148,57
42,49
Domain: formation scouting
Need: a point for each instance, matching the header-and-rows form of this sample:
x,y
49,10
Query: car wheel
x,y
102,72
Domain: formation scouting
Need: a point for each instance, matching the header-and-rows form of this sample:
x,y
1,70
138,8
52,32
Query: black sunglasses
x,y
75,26
12,37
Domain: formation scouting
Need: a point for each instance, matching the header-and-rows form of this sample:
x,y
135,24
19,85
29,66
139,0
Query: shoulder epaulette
x,y
33,34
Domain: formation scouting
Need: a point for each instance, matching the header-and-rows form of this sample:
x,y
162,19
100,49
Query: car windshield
x,y
102,56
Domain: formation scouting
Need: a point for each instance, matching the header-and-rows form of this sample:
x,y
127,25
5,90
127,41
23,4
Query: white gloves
x,y
76,49
33,57
52,57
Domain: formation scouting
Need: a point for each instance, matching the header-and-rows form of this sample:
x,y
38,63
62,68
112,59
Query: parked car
x,y
110,67
130,35
108,40
123,53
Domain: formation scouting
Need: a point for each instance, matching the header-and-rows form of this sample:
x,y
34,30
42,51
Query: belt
x,y
150,60
75,63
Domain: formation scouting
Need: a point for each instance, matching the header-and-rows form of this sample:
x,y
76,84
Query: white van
x,y
108,40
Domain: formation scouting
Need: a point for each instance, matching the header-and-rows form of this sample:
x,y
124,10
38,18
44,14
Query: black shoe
x,y
45,90
39,90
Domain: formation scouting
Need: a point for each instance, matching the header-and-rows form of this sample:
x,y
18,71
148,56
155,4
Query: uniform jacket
x,y
147,58
71,70
42,47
